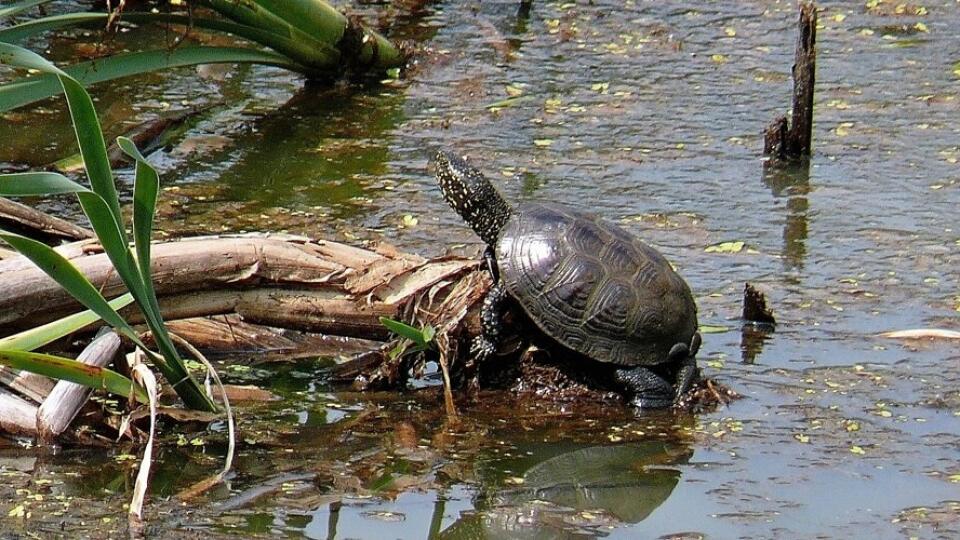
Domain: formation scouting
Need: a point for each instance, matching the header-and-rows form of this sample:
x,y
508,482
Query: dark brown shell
x,y
594,287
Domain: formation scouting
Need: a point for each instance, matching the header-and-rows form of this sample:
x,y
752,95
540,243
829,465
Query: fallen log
x,y
216,275
235,290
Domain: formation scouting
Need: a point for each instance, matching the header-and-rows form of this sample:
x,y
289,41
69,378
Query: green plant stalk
x,y
317,21
315,18
105,219
320,20
315,51
145,192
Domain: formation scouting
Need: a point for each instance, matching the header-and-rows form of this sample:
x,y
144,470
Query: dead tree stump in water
x,y
792,141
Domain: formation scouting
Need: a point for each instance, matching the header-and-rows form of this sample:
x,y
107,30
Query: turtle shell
x,y
594,287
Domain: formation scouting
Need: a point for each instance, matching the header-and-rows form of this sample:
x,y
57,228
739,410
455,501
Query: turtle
x,y
586,283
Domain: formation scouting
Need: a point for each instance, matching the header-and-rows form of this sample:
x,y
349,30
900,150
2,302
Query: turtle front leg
x,y
647,389
491,315
687,372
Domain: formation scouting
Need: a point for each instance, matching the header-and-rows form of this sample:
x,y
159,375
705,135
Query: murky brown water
x,y
650,113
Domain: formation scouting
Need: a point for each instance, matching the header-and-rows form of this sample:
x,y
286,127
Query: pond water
x,y
649,113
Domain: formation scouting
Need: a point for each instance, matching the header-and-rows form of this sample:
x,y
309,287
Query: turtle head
x,y
472,196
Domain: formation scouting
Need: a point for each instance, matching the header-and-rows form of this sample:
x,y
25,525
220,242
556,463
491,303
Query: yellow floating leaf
x,y
730,32
410,221
802,438
713,329
719,58
839,17
543,143
955,478
853,426
514,90
726,247
17,511
920,27
857,450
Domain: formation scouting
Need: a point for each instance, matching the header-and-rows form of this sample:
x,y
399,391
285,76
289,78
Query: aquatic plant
x,y
101,205
306,36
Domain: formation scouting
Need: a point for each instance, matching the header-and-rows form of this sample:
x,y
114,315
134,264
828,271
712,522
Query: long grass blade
x,y
73,371
39,336
30,184
70,278
310,52
33,27
405,331
146,186
19,7
40,87
145,191
85,122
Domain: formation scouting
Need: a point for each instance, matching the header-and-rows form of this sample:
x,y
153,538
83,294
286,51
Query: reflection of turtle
x,y
585,282
615,484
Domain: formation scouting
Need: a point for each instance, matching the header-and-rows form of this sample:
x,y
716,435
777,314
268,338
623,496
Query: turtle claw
x,y
686,376
482,348
648,390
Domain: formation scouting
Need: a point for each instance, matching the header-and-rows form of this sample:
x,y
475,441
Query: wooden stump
x,y
792,141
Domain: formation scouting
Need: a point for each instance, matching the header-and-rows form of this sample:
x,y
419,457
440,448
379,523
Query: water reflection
x,y
752,339
793,182
319,149
573,488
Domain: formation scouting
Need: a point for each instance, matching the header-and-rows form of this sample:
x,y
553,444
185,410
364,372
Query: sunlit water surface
x,y
648,113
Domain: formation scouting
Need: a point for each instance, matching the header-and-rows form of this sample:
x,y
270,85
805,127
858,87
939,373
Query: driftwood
x,y
791,141
235,293
281,280
21,219
65,400
17,415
